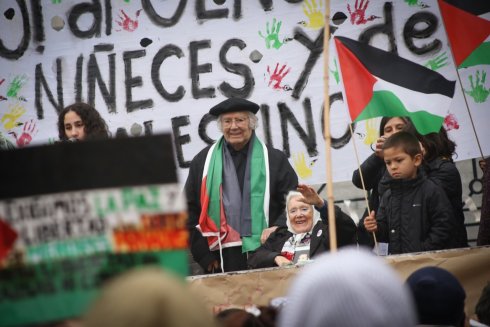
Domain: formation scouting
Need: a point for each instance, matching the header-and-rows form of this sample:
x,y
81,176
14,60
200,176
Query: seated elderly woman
x,y
306,234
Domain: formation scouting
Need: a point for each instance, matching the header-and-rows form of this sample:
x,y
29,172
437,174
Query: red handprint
x,y
27,134
358,16
126,22
276,77
451,122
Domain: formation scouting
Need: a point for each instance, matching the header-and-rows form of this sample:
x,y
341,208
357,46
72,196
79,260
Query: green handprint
x,y
437,62
335,72
12,117
16,85
272,37
478,91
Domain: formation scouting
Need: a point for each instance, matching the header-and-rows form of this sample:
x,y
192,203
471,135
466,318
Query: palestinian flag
x,y
378,83
467,31
213,223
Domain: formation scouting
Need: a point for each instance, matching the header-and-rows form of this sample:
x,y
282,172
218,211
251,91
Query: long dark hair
x,y
437,145
95,125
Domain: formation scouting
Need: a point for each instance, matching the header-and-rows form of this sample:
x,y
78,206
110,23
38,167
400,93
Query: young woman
x,y
79,122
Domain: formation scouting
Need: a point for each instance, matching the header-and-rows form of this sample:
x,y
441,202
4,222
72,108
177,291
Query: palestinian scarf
x,y
247,212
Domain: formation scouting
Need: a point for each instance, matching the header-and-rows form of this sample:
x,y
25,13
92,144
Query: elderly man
x,y
235,190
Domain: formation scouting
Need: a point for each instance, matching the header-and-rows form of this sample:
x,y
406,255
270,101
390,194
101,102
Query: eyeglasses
x,y
227,122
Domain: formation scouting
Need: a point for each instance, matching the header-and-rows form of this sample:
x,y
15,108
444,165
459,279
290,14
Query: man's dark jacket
x,y
282,179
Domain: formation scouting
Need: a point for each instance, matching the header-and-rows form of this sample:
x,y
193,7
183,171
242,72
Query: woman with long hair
x,y
80,121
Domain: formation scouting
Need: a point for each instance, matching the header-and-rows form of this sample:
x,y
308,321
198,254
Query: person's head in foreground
x,y
147,297
438,295
80,121
351,287
236,120
402,155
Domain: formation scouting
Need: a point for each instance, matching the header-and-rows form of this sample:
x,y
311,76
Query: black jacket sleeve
x,y
382,234
283,179
345,226
372,171
441,220
264,256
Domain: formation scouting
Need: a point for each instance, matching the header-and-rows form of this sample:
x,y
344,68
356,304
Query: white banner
x,y
158,66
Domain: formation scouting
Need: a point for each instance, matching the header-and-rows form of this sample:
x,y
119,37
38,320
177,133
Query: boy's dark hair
x,y
482,308
404,140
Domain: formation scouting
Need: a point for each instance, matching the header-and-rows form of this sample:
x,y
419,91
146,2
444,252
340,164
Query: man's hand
x,y
266,232
310,195
281,261
370,223
213,266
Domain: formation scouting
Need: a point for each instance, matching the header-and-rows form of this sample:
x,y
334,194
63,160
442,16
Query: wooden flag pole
x,y
326,119
363,185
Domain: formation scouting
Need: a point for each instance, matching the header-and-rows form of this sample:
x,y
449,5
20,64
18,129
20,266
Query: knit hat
x,y
234,105
439,296
351,287
147,297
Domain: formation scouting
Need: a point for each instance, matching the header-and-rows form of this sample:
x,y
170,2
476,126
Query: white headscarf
x,y
316,214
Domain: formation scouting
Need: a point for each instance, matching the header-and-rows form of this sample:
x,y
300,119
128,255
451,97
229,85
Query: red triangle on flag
x,y
464,30
358,81
7,238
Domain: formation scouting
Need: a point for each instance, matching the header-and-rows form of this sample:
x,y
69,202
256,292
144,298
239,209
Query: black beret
x,y
234,105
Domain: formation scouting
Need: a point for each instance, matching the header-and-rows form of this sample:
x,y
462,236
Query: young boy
x,y
414,213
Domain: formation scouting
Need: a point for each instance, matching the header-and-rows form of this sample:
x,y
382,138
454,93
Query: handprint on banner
x,y
27,134
416,3
358,16
314,13
450,122
371,131
16,85
478,91
272,37
126,22
277,76
335,72
10,119
302,169
437,62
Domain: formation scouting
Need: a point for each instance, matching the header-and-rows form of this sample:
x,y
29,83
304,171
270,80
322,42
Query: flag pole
x,y
468,109
363,185
326,119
